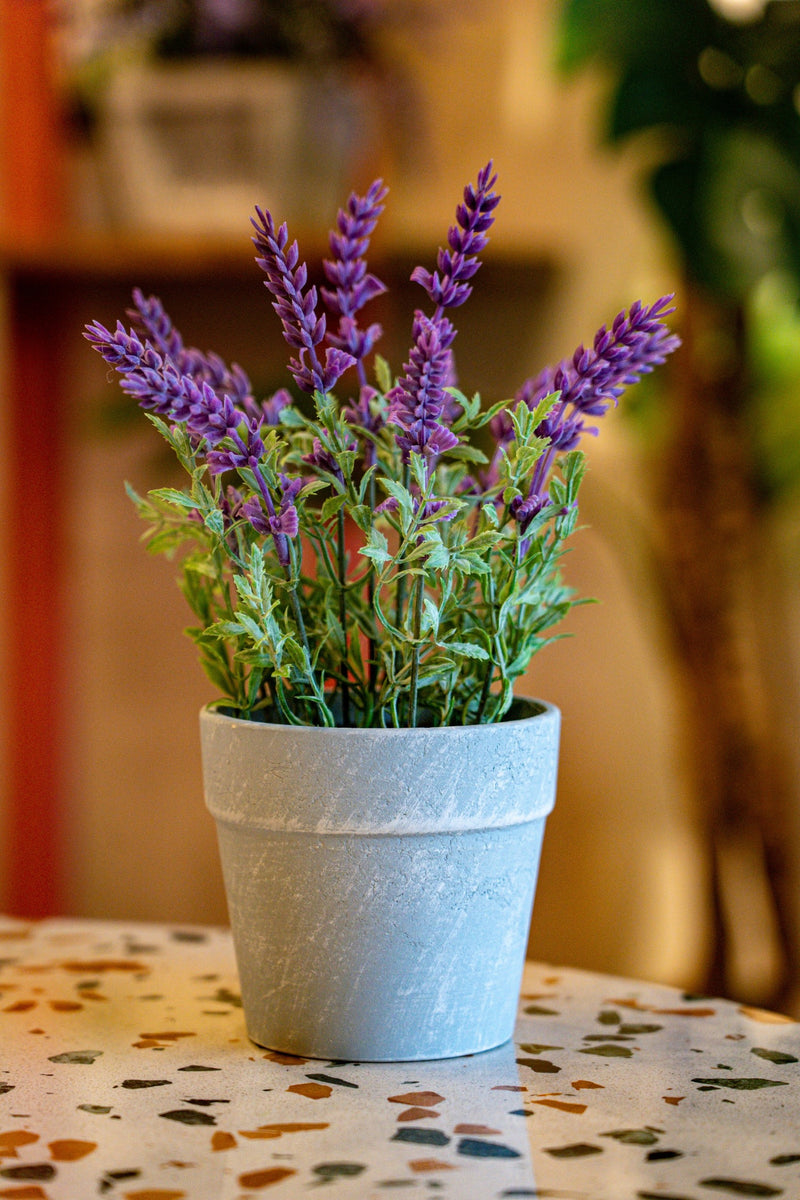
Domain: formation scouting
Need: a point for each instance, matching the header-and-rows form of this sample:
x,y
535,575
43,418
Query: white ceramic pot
x,y
380,882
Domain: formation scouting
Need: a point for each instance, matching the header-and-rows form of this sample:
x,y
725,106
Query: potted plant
x,y
368,584
194,106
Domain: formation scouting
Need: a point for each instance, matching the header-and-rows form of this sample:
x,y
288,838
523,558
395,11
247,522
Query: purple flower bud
x,y
447,286
323,459
150,318
268,412
353,286
523,510
302,329
418,400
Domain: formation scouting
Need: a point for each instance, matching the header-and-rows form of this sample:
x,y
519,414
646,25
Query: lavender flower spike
x,y
448,286
152,322
303,329
151,379
418,400
590,381
353,286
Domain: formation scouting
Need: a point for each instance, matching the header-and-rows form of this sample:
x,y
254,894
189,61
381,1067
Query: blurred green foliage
x,y
719,99
715,103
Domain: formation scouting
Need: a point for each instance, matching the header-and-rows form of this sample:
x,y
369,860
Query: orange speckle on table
x,y
13,1138
155,1194
421,1165
168,1036
684,1012
423,1099
87,994
765,1016
563,1106
312,1091
262,1179
279,1127
551,980
36,1031
20,1006
157,1041
223,1141
585,1083
416,1114
665,1012
672,1099
29,1191
538,996
486,1129
98,966
69,1150
288,1060
65,1005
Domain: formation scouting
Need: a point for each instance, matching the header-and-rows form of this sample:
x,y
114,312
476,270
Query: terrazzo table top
x,y
126,1072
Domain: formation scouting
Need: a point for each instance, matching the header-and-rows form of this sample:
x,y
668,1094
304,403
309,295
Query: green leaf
x,y
332,505
174,497
430,616
466,650
214,521
377,548
403,498
383,374
292,418
466,453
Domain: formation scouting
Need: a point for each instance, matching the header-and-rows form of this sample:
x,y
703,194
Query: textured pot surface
x,y
380,882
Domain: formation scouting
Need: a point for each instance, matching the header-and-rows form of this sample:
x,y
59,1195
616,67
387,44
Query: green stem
x,y
299,621
401,582
373,641
413,685
342,566
487,682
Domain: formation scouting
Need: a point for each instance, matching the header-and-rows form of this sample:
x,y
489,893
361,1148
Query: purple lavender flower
x,y
232,435
448,286
268,412
213,417
285,522
353,285
524,510
153,322
242,451
324,460
303,329
152,380
418,400
588,383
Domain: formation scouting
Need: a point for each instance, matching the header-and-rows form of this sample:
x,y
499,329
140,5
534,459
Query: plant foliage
x,y
363,562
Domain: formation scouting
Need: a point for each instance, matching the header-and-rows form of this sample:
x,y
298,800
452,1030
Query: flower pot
x,y
379,881
189,147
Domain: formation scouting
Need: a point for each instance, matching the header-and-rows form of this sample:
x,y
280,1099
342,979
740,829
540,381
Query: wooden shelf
x,y
108,256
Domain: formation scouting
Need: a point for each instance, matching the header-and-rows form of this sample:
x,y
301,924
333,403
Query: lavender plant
x,y
368,564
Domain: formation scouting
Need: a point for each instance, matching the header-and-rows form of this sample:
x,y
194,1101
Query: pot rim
x,y
215,711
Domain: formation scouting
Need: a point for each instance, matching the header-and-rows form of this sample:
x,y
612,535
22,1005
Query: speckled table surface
x,y
125,1071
